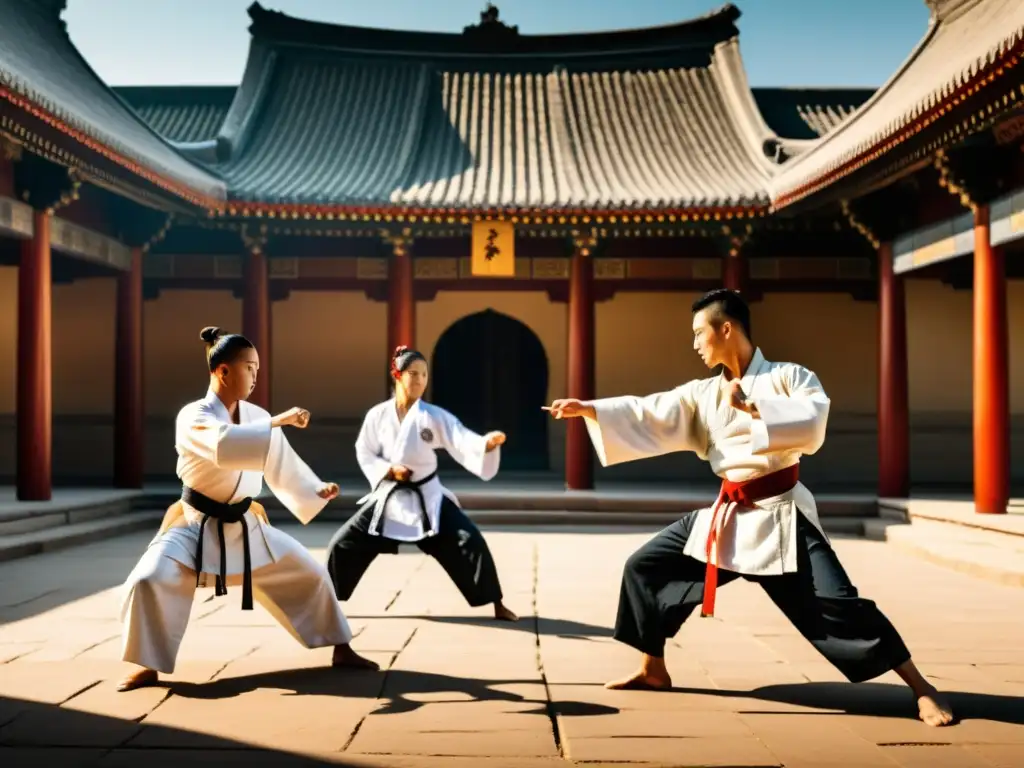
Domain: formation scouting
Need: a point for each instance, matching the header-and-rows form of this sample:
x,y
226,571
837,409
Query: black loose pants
x,y
458,546
661,587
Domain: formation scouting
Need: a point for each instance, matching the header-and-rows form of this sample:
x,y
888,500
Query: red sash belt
x,y
744,494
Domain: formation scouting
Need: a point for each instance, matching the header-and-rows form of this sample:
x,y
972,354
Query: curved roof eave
x,y
70,96
997,26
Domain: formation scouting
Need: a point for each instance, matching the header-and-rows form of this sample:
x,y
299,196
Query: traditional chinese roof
x,y
194,113
42,73
339,117
184,114
808,113
968,43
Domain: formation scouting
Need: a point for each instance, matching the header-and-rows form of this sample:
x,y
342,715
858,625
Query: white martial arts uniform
x,y
697,416
228,462
384,441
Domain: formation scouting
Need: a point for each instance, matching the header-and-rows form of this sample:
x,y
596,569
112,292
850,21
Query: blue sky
x,y
784,42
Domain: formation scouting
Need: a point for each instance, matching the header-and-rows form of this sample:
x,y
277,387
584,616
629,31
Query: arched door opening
x,y
491,371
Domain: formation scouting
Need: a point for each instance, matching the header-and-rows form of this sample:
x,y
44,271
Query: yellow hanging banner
x,y
493,249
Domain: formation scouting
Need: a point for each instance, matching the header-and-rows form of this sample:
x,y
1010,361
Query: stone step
x,y
84,532
986,554
65,508
672,503
73,534
575,519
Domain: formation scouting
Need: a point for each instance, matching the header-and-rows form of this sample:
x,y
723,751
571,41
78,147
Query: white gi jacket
x,y
384,442
696,416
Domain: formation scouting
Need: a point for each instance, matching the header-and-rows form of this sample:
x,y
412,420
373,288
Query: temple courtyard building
x,y
534,213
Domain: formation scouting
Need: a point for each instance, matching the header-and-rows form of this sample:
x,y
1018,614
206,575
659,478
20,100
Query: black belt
x,y
222,513
400,485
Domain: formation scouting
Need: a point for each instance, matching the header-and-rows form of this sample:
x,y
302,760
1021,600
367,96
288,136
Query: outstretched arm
x,y
466,446
792,422
292,481
628,428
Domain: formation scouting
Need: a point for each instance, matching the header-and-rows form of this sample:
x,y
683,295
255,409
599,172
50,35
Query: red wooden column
x,y
401,299
129,408
732,271
401,304
256,321
991,372
893,386
34,388
579,468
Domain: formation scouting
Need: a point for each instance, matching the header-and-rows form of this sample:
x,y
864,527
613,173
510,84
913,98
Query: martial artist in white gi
x,y
226,448
752,423
396,451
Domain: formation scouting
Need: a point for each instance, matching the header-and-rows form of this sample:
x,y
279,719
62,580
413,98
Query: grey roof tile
x,y
346,127
181,113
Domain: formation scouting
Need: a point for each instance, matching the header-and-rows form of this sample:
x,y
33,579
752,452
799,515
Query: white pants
x,y
295,590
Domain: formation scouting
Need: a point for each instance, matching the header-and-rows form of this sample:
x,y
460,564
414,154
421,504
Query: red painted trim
x,y
418,215
45,116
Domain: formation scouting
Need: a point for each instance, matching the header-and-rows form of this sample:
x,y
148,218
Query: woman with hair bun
x,y
396,451
216,533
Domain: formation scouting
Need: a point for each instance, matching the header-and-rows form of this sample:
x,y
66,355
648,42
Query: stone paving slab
x,y
957,512
458,689
992,554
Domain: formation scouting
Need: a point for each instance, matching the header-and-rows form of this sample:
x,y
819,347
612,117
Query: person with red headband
x,y
752,422
407,504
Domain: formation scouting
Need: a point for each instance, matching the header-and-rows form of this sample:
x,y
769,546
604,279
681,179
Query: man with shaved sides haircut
x,y
752,422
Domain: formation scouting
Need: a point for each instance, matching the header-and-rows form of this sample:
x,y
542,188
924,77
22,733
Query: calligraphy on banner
x,y
493,249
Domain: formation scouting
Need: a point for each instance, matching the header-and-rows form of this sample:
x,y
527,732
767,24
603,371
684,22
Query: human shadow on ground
x,y
398,689
34,734
873,699
564,628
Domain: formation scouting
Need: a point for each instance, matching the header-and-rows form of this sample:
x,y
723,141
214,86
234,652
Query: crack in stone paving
x,y
380,692
95,645
228,663
549,704
401,589
19,656
61,703
32,599
168,693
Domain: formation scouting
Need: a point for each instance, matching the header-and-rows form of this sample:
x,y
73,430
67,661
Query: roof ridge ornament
x,y
491,27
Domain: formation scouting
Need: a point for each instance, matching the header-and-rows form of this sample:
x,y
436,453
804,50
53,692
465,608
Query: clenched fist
x,y
328,491
494,439
293,417
399,473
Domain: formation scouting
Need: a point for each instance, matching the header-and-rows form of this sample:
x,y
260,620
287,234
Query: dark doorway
x,y
491,372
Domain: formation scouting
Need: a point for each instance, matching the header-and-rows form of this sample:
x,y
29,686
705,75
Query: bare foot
x,y
641,680
503,613
140,678
344,656
934,709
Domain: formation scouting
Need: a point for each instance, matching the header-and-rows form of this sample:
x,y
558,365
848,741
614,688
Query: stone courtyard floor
x,y
459,690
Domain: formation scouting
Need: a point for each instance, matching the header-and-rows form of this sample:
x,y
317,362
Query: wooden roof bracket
x,y
857,224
